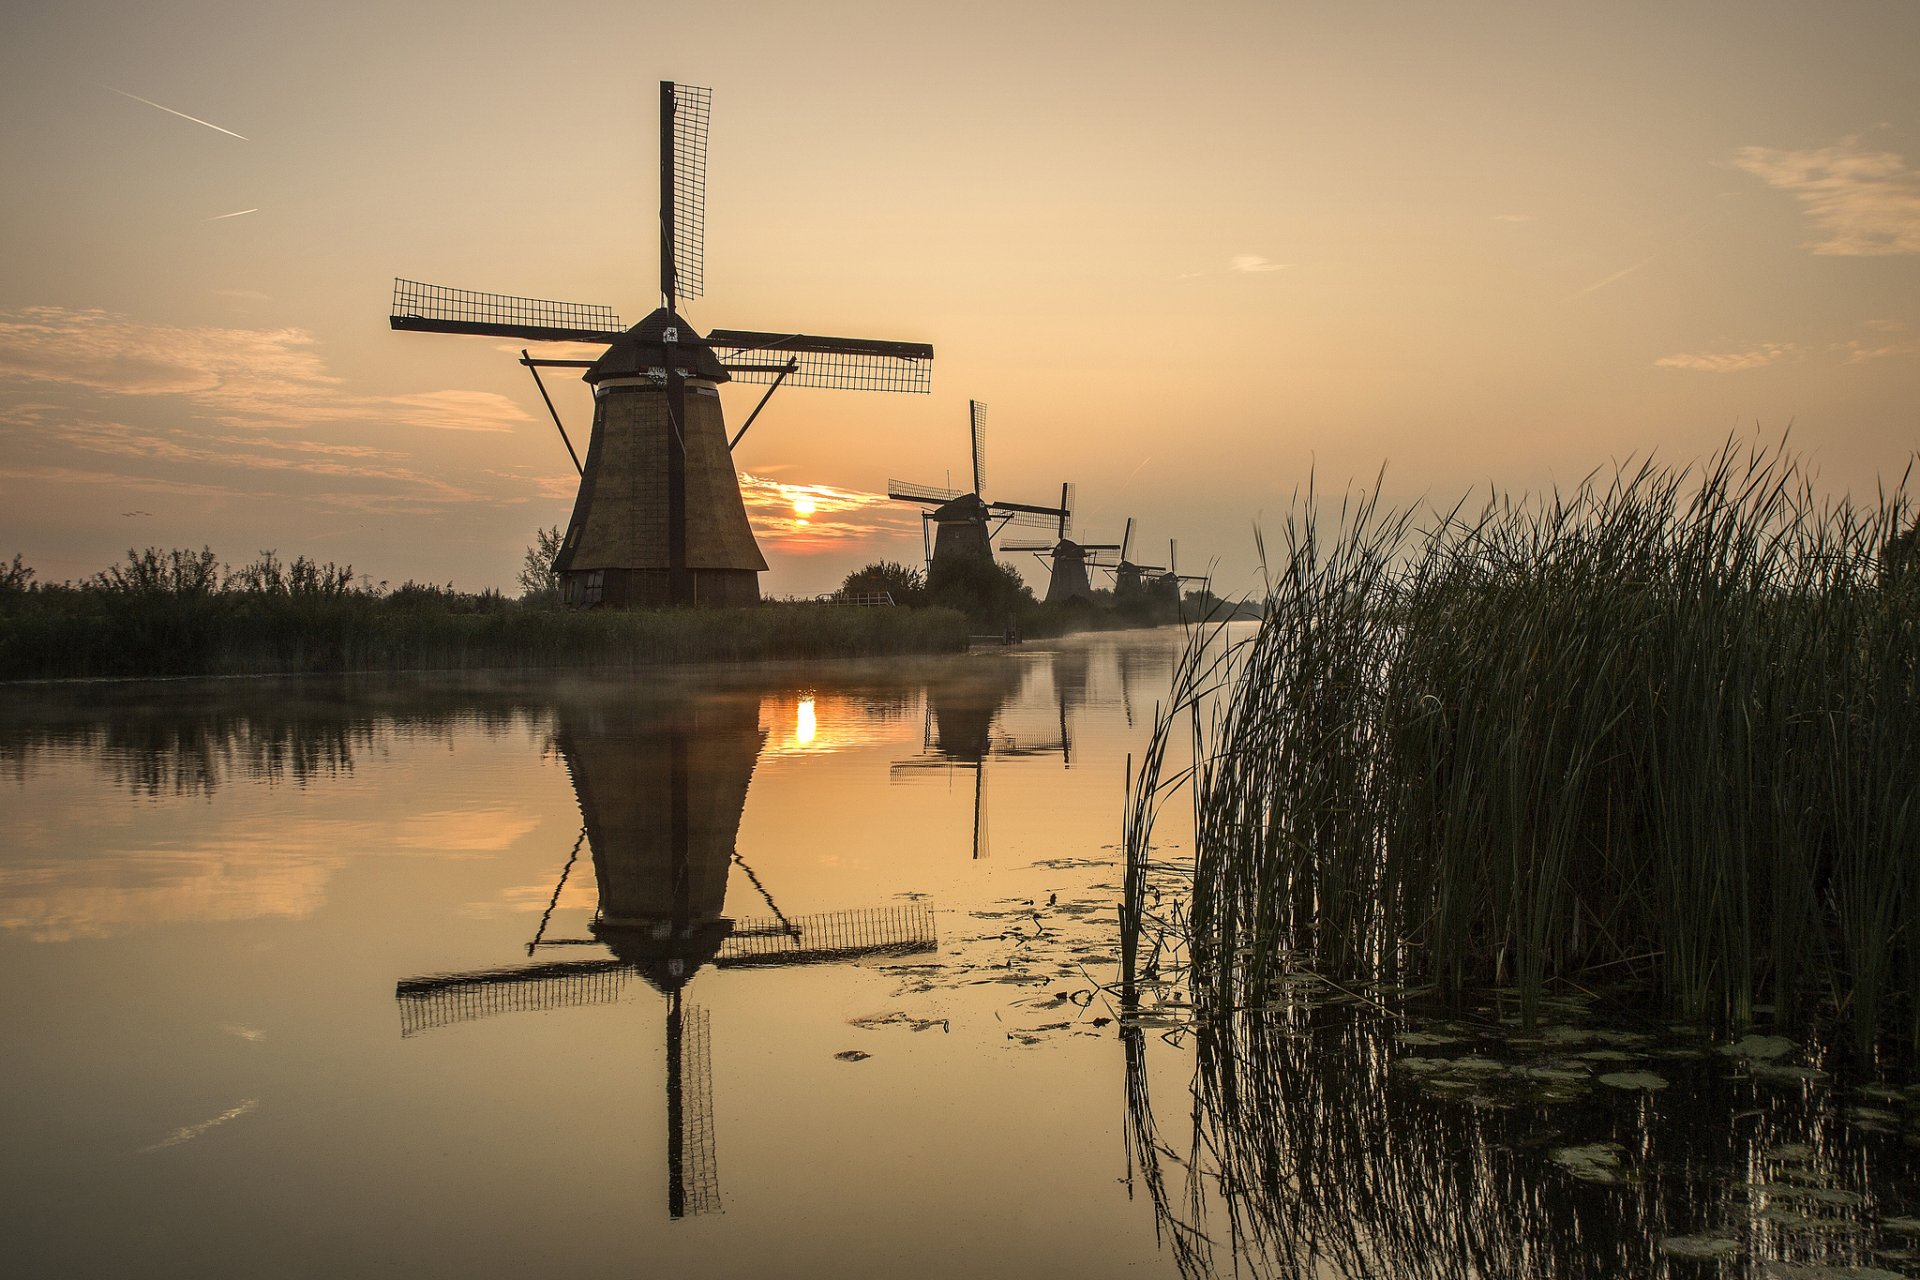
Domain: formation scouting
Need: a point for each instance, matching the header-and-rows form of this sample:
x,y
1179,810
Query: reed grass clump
x,y
1666,726
177,614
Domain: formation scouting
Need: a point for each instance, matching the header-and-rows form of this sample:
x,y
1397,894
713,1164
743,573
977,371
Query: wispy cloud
x,y
1728,361
838,517
244,378
237,213
1253,263
1866,202
351,477
170,111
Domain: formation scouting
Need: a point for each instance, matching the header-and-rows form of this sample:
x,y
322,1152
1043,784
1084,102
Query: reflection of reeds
x,y
1666,725
1309,1156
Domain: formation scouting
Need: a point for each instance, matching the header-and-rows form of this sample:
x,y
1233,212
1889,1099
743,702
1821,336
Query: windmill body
x,y
617,548
659,518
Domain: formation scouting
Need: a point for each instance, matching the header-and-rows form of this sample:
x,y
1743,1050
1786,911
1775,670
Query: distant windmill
x,y
1164,589
961,520
659,518
1129,578
1068,580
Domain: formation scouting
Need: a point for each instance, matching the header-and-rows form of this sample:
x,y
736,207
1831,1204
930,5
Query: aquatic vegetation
x,y
1665,728
176,617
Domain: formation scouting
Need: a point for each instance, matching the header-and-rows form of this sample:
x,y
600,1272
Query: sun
x,y
803,506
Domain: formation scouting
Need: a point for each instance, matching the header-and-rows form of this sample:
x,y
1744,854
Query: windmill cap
x,y
642,348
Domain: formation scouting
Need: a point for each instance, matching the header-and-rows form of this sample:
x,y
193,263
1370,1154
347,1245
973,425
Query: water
x,y
807,972
321,978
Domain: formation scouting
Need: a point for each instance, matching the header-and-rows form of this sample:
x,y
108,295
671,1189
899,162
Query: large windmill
x,y
659,518
965,524
1068,578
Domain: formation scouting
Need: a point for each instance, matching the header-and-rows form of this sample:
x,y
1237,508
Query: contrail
x,y
183,115
1622,274
235,214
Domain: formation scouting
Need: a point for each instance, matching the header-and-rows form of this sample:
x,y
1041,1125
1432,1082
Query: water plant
x,y
1664,727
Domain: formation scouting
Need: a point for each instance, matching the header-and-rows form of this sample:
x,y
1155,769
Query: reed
x,y
1664,726
62,633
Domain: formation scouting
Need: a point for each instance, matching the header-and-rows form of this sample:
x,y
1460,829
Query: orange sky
x,y
1184,253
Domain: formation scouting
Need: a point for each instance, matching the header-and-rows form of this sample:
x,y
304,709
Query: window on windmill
x,y
594,588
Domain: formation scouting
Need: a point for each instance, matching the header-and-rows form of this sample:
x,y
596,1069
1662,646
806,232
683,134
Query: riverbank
x,y
61,635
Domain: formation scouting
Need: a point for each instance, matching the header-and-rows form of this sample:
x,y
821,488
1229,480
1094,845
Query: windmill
x,y
1129,579
961,520
1068,579
1164,588
659,518
662,789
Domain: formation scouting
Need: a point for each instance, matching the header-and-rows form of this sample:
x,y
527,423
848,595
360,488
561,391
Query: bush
x,y
906,585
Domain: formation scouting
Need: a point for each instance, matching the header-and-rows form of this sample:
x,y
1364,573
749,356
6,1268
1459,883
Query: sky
x,y
1189,256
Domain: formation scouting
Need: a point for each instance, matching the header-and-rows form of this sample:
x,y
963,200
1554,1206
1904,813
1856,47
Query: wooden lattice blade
x,y
814,360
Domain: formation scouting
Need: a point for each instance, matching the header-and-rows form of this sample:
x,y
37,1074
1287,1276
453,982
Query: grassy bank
x,y
98,631
1665,728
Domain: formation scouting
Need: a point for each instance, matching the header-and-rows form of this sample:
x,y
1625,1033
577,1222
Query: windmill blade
x,y
437,308
444,999
1066,510
854,364
1126,538
1099,546
977,420
830,936
1025,517
1173,555
688,106
1026,546
1051,513
907,491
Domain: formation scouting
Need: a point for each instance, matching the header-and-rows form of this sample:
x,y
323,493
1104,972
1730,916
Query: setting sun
x,y
803,506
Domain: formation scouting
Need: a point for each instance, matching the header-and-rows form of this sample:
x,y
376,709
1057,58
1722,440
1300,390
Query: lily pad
x,y
1645,1081
1702,1248
1596,1162
1763,1047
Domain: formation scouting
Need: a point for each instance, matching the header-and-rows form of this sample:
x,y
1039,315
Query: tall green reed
x,y
1664,726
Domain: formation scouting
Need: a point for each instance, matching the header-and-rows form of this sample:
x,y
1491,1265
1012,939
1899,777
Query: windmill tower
x,y
1067,579
659,519
965,524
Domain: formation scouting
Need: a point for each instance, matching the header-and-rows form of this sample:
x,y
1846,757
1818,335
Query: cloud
x,y
259,379
1866,202
840,516
254,458
1254,263
1728,361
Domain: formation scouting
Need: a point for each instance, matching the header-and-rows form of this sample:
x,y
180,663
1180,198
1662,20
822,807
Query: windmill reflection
x,y
662,786
964,728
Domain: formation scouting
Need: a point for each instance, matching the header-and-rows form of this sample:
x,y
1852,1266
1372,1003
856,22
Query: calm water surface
x,y
758,972
797,972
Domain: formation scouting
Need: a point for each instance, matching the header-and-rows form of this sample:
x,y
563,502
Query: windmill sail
x,y
811,360
688,106
978,413
438,308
